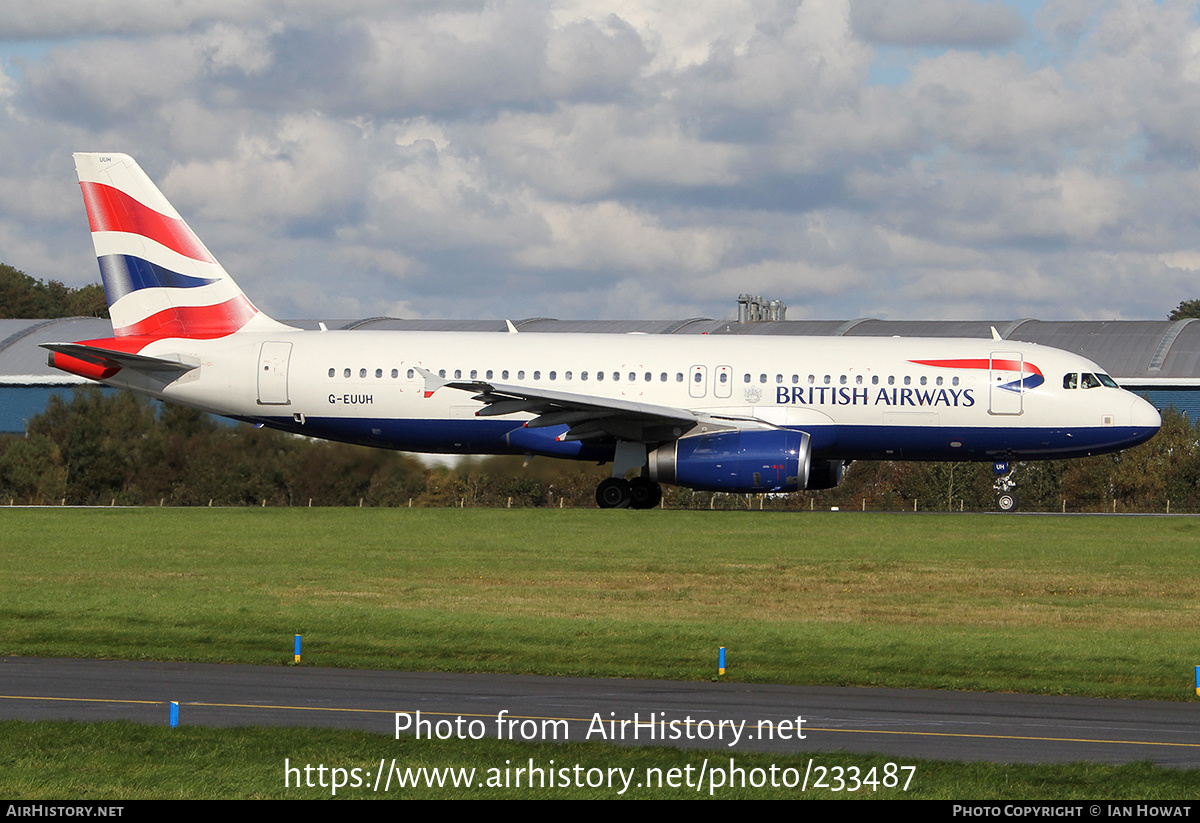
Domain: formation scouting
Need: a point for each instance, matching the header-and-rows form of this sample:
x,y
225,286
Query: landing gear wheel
x,y
646,494
1007,502
613,493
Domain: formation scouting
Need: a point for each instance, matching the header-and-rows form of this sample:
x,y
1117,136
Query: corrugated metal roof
x,y
23,362
1156,350
1124,347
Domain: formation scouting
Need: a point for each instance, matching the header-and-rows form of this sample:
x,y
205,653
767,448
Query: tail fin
x,y
159,278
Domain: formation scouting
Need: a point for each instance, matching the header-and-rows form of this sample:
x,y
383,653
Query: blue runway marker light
x,y
174,714
721,664
297,648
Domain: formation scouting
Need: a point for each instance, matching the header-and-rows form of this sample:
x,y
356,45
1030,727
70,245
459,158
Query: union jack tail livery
x,y
159,279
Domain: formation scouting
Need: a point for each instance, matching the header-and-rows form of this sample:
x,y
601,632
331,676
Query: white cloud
x,y
608,235
955,23
574,157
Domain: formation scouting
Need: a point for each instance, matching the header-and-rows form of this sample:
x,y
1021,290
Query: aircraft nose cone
x,y
1144,415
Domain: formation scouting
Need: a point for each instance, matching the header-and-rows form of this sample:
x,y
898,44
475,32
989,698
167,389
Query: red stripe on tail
x,y
204,322
110,209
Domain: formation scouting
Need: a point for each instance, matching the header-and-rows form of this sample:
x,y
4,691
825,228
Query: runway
x,y
732,717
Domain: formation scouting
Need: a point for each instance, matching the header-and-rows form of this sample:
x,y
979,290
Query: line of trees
x,y
104,447
23,297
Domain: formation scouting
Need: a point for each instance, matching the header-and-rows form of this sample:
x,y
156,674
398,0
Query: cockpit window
x,y
1090,381
1071,381
1107,381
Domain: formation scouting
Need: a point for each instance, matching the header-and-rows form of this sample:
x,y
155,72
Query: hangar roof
x,y
1136,352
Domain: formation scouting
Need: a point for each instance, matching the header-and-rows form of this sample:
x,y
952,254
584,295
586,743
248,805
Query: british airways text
x,y
846,396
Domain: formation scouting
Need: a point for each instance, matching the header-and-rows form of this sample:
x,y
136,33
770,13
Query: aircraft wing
x,y
588,416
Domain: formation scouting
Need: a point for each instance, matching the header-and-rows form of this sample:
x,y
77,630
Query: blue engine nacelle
x,y
777,460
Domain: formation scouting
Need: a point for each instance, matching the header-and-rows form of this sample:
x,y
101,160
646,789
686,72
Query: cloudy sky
x,y
902,159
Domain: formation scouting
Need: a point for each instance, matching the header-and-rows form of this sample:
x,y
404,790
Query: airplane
x,y
708,412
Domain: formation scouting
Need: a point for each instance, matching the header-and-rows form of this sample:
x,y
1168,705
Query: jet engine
x,y
776,460
825,474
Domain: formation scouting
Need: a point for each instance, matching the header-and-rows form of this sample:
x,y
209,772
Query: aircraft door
x,y
698,381
1006,372
273,373
723,381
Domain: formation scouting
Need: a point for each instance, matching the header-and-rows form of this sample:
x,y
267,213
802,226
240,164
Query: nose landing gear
x,y
1006,498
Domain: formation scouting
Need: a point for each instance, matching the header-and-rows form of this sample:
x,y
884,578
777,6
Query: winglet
x,y
996,334
511,328
432,381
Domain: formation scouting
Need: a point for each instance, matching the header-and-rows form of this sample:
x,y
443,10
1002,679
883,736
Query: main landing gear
x,y
638,493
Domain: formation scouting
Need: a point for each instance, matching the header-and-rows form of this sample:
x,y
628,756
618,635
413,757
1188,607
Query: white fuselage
x,y
906,398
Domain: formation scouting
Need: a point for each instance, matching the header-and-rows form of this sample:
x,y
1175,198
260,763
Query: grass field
x,y
1082,605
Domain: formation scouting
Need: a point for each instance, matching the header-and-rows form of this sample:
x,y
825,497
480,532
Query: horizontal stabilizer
x,y
112,361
